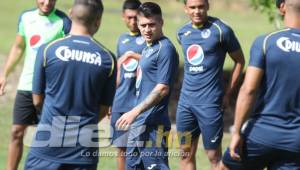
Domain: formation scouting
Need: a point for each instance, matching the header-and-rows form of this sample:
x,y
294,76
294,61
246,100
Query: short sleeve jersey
x,y
204,51
37,29
77,75
158,65
277,110
125,94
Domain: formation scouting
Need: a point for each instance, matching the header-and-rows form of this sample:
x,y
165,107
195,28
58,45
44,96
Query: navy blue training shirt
x,y
77,75
158,65
125,95
204,51
277,111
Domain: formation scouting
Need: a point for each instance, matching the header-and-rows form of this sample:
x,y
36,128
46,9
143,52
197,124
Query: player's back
x,y
76,69
79,76
278,104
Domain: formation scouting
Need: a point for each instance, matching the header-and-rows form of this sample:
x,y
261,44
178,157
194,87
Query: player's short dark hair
x,y
279,2
131,4
184,1
149,9
87,11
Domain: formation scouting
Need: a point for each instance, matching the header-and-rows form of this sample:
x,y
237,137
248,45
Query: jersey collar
x,y
201,25
133,33
197,26
155,41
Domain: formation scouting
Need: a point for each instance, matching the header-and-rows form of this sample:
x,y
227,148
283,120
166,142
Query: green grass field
x,y
246,23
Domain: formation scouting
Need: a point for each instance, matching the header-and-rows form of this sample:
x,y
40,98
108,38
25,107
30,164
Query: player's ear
x,y
282,8
123,16
185,9
98,22
207,5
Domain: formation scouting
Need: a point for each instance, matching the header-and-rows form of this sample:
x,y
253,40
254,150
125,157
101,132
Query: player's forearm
x,y
104,110
128,55
38,100
14,57
157,94
237,70
239,62
244,104
135,56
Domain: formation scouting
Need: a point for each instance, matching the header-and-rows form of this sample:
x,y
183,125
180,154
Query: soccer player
x,y
205,40
129,48
74,80
36,27
271,137
149,120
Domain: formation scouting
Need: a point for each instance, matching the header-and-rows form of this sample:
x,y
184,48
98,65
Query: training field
x,y
246,23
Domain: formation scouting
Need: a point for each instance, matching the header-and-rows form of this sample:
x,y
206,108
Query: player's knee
x,y
17,134
187,155
214,156
222,166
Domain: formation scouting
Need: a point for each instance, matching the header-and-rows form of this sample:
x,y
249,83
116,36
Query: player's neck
x,y
45,14
155,40
199,25
292,21
80,30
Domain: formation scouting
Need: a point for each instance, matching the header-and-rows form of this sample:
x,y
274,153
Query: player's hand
x,y
126,120
124,57
2,85
235,146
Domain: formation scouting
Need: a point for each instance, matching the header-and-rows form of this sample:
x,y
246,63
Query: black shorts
x,y
24,111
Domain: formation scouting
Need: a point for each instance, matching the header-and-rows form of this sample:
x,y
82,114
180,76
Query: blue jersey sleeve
x,y
230,41
67,25
257,56
39,72
167,62
66,21
110,85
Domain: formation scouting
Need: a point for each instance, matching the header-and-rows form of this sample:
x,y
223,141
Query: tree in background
x,y
268,7
265,6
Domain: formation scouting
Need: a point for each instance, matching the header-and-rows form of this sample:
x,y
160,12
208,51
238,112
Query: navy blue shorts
x,y
192,120
257,157
119,137
150,151
24,111
36,163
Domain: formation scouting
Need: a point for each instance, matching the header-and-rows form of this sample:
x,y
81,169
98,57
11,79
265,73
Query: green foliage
x,y
268,7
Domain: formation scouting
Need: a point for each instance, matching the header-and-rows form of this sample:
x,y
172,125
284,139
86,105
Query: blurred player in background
x,y
35,28
129,48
